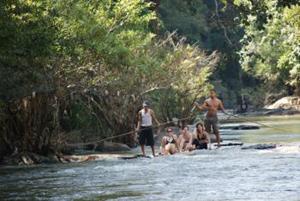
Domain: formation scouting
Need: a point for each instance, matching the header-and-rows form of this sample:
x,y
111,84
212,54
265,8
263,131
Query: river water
x,y
227,173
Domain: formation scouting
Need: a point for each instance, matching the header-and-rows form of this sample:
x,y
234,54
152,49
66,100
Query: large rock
x,y
260,146
239,127
231,144
29,158
289,102
291,111
111,147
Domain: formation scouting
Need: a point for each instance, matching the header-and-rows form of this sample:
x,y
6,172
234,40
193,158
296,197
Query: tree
x,y
87,64
270,49
212,25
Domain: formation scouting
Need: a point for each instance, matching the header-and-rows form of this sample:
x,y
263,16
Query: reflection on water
x,y
228,173
276,130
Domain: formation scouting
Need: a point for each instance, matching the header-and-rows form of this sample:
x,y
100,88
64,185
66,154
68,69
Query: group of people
x,y
186,141
199,139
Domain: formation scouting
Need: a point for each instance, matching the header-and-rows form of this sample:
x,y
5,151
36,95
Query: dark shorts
x,y
199,145
211,123
146,136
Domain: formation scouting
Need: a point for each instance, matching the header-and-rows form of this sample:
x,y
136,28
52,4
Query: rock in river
x,y
260,146
240,127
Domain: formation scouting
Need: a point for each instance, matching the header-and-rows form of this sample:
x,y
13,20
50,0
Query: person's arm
x,y
154,117
191,139
162,145
204,106
176,143
180,142
222,106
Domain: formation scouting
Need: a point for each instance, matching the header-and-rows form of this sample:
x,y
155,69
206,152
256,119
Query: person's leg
x,y
216,131
143,149
189,147
217,137
142,141
167,149
181,144
172,148
195,144
153,150
150,140
163,145
207,126
185,146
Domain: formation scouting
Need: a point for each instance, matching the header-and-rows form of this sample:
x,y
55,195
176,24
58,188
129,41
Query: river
x,y
227,173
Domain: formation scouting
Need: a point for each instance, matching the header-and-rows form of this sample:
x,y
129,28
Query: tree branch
x,y
221,24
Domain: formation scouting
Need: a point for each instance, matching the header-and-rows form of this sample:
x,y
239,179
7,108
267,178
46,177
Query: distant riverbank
x,y
257,170
109,150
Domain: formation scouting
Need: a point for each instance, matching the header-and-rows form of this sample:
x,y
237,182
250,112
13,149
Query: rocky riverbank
x,y
97,151
70,153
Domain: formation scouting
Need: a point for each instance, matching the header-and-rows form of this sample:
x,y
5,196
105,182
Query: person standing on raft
x,y
144,127
211,122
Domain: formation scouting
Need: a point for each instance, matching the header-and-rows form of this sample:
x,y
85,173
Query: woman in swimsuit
x,y
169,143
200,137
185,140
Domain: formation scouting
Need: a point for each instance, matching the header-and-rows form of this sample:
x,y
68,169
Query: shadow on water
x,y
125,195
286,130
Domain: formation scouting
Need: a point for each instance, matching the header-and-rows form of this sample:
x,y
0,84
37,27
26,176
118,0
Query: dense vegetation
x,y
270,50
87,65
259,42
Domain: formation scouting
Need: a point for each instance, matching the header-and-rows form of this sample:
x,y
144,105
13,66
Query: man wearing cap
x,y
144,126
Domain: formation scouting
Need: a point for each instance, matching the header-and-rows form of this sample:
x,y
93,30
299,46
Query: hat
x,y
146,104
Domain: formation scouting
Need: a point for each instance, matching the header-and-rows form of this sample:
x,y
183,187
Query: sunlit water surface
x,y
228,173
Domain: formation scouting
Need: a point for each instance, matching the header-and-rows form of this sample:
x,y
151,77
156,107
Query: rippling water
x,y
228,173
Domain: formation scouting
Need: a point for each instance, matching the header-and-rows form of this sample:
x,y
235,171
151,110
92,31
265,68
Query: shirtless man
x,y
212,105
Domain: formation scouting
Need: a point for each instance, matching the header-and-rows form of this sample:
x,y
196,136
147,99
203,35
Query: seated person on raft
x,y
169,143
185,140
200,137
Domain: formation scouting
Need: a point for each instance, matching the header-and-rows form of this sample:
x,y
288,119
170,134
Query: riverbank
x,y
109,150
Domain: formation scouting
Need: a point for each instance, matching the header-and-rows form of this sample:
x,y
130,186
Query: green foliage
x,y
125,61
27,37
272,52
188,18
91,63
187,78
211,25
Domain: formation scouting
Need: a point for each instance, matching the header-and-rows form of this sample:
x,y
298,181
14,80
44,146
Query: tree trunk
x,y
27,124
